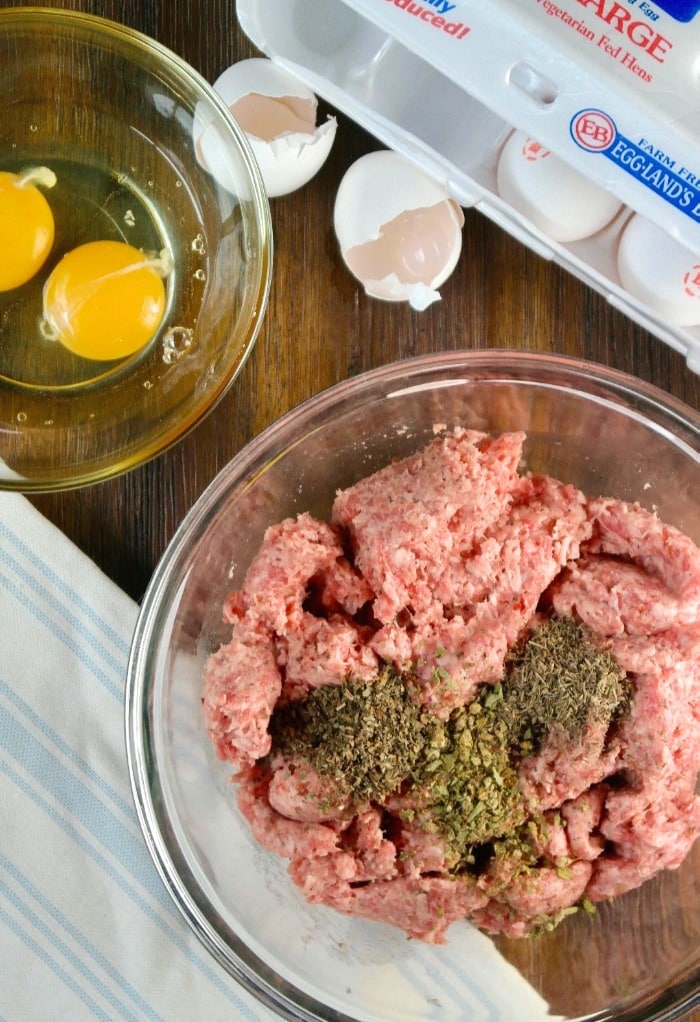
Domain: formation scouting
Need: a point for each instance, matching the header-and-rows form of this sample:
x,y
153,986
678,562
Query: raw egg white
x,y
277,112
26,225
659,271
400,233
563,203
105,300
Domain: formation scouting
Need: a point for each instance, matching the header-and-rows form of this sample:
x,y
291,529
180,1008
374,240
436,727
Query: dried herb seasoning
x,y
373,739
365,735
556,681
558,678
466,778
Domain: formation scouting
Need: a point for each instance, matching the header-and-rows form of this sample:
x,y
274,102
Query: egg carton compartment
x,y
356,67
423,109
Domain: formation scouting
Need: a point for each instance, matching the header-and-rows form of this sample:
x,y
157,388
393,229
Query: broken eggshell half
x,y
277,112
400,233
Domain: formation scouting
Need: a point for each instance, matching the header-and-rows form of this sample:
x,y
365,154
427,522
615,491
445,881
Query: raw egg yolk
x,y
105,300
26,225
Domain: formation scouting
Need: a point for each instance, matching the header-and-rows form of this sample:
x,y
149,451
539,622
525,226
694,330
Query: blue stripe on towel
x,y
217,978
58,583
48,960
64,637
64,952
77,798
66,926
68,751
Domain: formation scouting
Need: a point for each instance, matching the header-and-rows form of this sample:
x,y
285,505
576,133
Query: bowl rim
x,y
614,386
108,465
489,365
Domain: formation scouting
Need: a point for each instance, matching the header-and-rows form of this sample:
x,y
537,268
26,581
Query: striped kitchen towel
x,y
87,930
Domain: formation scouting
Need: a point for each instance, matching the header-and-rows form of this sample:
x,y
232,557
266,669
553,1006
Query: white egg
x,y
659,271
277,112
399,232
559,200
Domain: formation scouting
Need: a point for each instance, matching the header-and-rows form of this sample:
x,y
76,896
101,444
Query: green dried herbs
x,y
466,777
559,679
365,735
373,740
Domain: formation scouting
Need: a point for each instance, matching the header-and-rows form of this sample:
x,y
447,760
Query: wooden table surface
x,y
320,327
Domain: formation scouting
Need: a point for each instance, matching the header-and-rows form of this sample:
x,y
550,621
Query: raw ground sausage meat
x,y
446,558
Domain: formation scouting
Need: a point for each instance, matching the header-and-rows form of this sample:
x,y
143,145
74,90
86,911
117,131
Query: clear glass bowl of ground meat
x,y
410,880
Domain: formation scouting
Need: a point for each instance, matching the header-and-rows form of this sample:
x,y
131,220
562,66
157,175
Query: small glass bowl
x,y
639,956
112,113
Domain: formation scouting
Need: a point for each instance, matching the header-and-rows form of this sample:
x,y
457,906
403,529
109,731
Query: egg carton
x,y
608,87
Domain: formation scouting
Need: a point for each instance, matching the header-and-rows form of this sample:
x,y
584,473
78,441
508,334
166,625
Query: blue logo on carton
x,y
681,10
596,132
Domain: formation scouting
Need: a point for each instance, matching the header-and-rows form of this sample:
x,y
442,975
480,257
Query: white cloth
x,y
87,929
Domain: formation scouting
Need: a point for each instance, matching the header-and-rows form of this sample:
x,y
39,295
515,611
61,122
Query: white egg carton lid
x,y
610,86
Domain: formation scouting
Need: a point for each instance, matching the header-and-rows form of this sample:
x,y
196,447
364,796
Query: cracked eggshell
x,y
399,232
277,112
